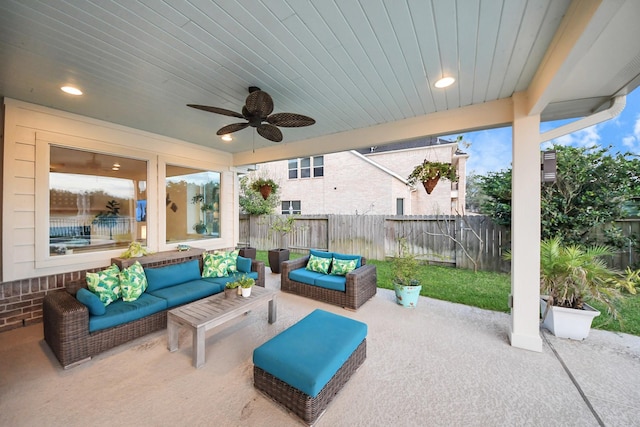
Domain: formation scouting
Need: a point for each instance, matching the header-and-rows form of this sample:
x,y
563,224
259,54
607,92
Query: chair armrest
x,y
66,327
362,284
258,266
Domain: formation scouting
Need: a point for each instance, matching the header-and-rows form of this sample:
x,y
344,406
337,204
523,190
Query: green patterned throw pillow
x,y
105,284
341,267
232,260
318,264
214,265
133,282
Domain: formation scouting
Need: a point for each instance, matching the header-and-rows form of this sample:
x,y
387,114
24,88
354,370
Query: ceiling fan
x,y
257,109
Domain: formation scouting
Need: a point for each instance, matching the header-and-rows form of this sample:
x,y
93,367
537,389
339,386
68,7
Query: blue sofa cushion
x,y
321,254
358,258
120,312
243,264
171,275
187,292
309,353
337,283
304,276
92,301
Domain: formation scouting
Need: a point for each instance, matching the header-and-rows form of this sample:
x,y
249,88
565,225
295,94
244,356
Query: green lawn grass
x,y
490,291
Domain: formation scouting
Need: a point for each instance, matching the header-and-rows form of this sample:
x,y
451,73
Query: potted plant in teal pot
x,y
405,276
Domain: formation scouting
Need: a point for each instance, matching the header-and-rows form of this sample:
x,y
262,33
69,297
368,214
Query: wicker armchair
x,y
362,284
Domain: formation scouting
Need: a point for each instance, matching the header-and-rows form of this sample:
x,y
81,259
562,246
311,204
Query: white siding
x,y
24,125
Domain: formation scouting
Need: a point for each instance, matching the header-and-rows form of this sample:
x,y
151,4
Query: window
x,y
290,207
303,167
192,203
97,202
399,206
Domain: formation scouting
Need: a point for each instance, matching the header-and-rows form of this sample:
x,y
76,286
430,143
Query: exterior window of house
x,y
97,201
318,166
399,206
293,169
303,167
192,204
290,207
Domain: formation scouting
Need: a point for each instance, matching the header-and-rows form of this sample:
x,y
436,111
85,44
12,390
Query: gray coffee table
x,y
205,314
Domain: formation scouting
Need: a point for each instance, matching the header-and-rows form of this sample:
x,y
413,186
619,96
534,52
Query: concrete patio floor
x,y
439,364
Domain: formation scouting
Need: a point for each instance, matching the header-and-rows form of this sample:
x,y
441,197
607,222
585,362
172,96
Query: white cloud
x,y
636,127
587,137
490,150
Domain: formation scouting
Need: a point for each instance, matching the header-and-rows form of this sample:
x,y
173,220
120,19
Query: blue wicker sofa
x,y
349,291
76,331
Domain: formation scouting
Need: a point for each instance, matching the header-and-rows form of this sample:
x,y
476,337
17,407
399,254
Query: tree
x,y
251,201
591,189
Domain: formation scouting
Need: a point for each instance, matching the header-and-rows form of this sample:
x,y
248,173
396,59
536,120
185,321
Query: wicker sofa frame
x,y
362,284
66,320
308,408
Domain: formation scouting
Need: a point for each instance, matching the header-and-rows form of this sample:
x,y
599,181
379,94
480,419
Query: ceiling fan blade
x,y
270,132
290,120
259,103
233,127
216,110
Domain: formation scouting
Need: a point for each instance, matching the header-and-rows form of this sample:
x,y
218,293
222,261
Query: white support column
x,y
525,228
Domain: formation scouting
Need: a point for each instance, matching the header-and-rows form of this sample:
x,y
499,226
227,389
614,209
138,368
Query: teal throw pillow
x,y
318,264
105,284
341,267
133,282
92,301
215,264
243,264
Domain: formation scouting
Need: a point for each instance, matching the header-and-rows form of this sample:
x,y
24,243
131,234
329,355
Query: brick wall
x,y
21,301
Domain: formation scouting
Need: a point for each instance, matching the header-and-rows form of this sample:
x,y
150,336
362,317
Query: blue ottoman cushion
x,y
308,354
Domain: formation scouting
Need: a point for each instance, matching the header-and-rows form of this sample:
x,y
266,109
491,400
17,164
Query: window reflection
x,y
94,201
192,203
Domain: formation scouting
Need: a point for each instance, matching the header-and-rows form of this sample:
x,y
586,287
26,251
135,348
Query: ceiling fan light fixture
x,y
444,82
71,90
227,138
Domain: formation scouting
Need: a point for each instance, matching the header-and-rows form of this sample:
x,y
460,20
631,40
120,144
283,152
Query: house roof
x,y
403,145
364,70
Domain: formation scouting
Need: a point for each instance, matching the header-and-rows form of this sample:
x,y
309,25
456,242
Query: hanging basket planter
x,y
430,184
265,191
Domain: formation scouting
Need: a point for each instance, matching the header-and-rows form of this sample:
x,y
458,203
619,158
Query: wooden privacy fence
x,y
472,242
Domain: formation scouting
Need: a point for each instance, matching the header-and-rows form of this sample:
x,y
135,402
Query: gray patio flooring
x,y
440,364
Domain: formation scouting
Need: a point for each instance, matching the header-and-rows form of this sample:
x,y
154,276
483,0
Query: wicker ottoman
x,y
305,366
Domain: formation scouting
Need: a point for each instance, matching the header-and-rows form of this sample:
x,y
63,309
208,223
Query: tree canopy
x,y
592,188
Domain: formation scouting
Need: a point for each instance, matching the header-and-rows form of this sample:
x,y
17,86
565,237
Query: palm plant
x,y
569,274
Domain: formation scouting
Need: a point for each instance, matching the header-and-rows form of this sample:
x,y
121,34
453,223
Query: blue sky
x,y
490,150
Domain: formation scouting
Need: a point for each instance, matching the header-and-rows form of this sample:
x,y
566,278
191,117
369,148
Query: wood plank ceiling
x,y
349,64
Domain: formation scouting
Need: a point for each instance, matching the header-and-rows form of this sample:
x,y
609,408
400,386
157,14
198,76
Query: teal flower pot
x,y
407,296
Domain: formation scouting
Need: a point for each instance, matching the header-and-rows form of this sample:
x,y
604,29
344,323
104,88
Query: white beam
x,y
473,117
525,228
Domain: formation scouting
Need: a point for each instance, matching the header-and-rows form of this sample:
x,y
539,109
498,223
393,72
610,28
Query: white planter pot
x,y
568,322
246,292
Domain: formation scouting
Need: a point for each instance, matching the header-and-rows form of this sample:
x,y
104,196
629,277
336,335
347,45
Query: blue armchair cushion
x,y
308,354
163,277
321,254
92,301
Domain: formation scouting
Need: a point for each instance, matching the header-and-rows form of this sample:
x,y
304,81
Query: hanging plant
x,y
429,173
264,186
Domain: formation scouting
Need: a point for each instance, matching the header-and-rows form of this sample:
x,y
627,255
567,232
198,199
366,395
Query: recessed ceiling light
x,y
444,82
227,137
71,90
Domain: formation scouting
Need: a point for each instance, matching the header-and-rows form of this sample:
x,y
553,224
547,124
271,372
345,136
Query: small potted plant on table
x,y
231,289
246,283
